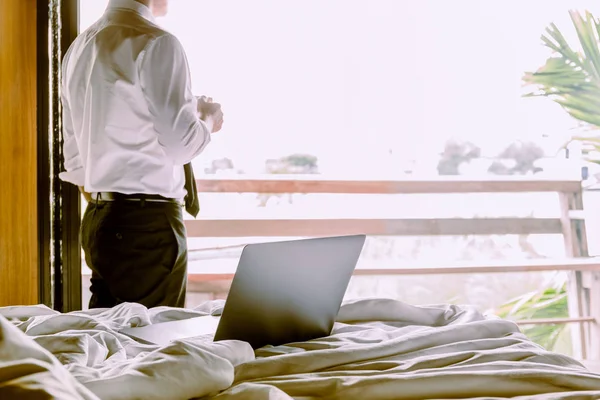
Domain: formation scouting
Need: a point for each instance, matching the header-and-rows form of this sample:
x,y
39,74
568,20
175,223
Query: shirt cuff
x,y
207,134
76,177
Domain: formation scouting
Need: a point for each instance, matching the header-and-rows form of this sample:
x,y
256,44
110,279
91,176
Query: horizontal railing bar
x,y
421,268
555,321
196,277
374,227
313,184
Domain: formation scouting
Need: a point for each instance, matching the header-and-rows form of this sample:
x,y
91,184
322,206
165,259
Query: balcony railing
x,y
584,284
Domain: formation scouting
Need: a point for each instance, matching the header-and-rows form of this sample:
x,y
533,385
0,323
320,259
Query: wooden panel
x,y
18,113
391,227
311,184
420,268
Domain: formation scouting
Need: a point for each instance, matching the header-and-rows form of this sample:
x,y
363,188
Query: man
x,y
131,127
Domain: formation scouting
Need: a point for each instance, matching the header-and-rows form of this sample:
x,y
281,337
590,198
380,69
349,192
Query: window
x,y
363,89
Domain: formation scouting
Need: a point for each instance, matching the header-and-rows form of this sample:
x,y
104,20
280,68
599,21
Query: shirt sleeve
x,y
74,171
165,80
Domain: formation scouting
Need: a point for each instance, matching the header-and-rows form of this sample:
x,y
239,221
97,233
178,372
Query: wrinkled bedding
x,y
379,349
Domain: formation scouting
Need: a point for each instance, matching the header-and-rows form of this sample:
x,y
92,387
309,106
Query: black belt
x,y
112,196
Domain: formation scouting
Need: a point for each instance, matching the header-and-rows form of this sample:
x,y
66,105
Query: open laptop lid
x,y
290,291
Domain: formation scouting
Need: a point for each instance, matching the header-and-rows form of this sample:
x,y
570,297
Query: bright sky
x,y
349,80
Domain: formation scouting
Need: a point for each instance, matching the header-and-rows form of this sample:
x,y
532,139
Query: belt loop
x,y
142,202
96,207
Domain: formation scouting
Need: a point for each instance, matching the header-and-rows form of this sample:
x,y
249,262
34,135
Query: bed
x,y
379,349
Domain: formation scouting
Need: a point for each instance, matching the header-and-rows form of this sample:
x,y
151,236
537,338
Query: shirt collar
x,y
134,6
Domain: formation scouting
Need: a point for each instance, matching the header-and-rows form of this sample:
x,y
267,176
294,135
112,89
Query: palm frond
x,y
549,302
571,78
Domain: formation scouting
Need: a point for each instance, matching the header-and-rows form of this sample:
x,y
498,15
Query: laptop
x,y
282,292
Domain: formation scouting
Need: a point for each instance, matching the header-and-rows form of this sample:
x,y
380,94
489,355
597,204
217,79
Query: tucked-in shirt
x,y
130,120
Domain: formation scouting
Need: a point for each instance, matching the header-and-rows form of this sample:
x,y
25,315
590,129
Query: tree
x,y
455,154
522,157
221,164
572,78
292,164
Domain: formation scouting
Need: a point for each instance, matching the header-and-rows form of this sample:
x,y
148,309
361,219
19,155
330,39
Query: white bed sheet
x,y
379,349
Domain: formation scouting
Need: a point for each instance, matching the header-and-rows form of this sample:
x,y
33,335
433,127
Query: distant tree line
x,y
518,158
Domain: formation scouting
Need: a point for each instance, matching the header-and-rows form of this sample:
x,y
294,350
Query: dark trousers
x,y
137,252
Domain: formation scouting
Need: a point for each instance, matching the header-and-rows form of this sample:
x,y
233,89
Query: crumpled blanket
x,y
378,349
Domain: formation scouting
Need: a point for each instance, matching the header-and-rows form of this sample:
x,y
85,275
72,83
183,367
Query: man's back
x,y
106,101
131,127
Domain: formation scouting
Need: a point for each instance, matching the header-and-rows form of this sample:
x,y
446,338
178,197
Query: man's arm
x,y
74,172
165,80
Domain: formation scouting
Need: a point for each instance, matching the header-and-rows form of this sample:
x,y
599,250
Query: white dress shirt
x,y
130,120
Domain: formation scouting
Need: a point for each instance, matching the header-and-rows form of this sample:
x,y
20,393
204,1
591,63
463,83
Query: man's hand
x,y
211,113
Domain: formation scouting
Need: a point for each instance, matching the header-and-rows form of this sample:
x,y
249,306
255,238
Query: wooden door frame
x,y
58,202
43,156
70,197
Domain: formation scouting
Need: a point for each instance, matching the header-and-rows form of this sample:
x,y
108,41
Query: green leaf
x,y
547,302
586,32
571,78
525,299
